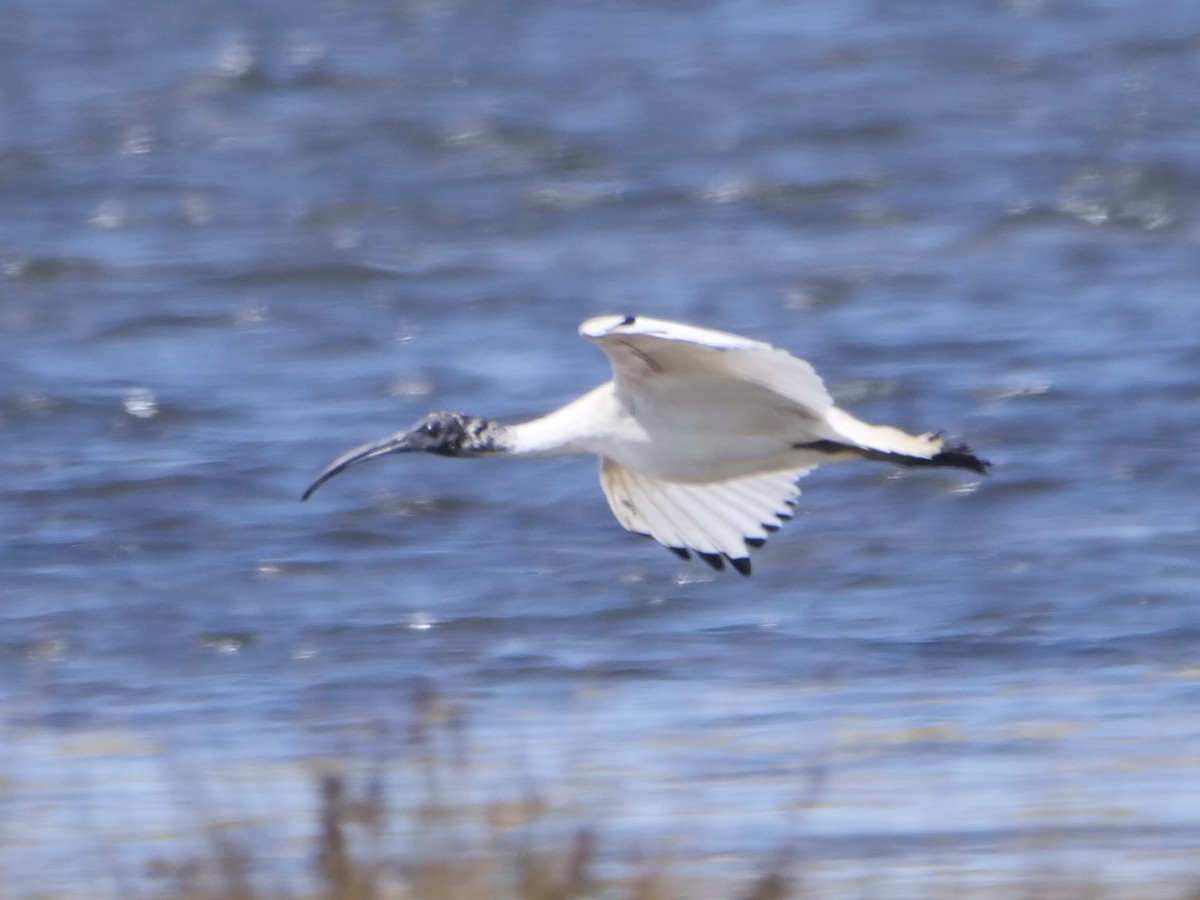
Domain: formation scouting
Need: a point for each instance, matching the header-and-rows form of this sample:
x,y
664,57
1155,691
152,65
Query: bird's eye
x,y
433,429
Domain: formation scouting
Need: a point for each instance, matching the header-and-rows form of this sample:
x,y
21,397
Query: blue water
x,y
236,241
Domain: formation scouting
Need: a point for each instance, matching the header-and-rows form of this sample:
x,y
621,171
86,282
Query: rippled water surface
x,y
236,240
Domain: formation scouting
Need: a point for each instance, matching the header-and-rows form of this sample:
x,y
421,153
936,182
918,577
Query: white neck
x,y
570,429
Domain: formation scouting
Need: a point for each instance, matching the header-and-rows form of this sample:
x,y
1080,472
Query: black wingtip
x,y
681,552
741,564
756,542
716,560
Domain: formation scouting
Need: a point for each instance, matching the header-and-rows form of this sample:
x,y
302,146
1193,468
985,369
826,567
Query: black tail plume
x,y
957,457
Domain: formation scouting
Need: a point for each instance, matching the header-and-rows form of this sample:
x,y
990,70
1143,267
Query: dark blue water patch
x,y
539,671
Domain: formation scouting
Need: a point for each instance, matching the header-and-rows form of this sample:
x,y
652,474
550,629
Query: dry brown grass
x,y
566,868
366,845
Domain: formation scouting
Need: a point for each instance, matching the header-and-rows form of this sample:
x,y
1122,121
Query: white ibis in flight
x,y
701,435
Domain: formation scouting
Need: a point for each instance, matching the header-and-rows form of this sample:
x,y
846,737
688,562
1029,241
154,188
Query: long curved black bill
x,y
396,443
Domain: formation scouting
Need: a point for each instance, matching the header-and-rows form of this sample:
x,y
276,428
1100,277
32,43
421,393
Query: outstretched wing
x,y
718,521
642,348
684,363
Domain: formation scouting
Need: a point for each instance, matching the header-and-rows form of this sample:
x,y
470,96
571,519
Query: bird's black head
x,y
443,433
452,434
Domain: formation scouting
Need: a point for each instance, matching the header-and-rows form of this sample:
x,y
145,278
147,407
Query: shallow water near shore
x,y
234,244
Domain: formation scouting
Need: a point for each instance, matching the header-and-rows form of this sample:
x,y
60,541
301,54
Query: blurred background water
x,y
237,239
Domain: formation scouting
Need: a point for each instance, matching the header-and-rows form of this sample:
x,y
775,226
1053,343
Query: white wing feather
x,y
713,520
640,348
685,362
